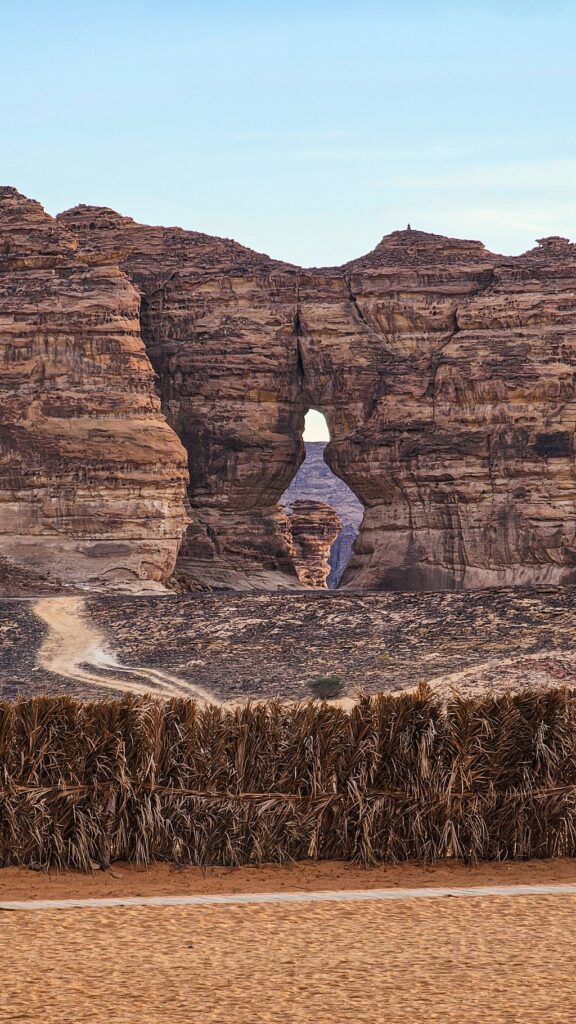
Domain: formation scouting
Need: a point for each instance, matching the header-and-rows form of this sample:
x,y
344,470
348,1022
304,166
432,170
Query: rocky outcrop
x,y
312,529
92,479
314,481
218,323
469,446
446,374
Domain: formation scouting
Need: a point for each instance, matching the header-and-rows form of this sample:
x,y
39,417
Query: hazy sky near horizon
x,y
304,129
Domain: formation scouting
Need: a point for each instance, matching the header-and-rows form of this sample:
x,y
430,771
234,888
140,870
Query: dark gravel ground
x,y
268,645
273,644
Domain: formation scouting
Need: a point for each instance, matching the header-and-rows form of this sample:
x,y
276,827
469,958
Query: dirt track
x,y
75,649
164,880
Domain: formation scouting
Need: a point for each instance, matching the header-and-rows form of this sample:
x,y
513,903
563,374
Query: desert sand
x,y
500,960
165,880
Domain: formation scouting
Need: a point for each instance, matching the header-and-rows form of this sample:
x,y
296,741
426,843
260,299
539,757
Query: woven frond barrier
x,y
395,778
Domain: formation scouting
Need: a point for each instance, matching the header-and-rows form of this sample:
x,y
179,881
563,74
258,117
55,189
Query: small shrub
x,y
327,687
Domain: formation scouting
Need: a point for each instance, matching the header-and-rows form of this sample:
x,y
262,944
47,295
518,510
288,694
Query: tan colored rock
x,y
313,527
218,323
92,479
446,374
470,445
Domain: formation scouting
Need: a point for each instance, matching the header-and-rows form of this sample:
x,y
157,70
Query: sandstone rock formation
x,y
92,479
469,446
218,324
312,529
446,374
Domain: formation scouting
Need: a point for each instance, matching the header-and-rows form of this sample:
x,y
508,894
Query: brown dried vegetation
x,y
395,778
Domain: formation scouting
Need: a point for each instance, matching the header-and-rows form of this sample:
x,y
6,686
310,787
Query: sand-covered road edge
x,y
165,880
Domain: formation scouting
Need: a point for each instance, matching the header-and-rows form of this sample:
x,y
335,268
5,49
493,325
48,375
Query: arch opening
x,y
323,513
316,429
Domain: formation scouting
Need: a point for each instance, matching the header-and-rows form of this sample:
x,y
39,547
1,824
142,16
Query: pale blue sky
x,y
306,130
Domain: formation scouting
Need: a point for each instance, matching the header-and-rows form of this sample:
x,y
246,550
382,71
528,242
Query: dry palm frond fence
x,y
400,777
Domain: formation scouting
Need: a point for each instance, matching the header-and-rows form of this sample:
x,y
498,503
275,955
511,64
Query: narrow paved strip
x,y
327,896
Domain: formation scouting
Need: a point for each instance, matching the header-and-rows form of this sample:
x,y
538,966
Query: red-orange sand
x,y
165,880
489,960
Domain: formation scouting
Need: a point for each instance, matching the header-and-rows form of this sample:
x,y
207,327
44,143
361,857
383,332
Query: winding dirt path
x,y
75,649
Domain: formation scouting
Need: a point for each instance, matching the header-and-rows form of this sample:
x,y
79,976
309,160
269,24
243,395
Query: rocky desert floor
x,y
229,647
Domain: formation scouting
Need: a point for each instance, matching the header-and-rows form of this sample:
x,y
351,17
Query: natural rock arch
x,y
446,373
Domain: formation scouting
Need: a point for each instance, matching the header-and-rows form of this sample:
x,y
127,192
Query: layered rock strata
x,y
218,320
446,374
313,527
469,446
92,479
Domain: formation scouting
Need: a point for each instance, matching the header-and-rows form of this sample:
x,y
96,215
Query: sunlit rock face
x,y
446,374
470,445
92,479
218,322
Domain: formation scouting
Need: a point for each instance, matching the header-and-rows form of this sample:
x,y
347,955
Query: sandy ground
x,y
164,880
500,960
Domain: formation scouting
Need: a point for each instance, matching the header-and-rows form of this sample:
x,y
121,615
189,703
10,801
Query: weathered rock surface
x,y
218,323
312,529
469,447
446,374
92,479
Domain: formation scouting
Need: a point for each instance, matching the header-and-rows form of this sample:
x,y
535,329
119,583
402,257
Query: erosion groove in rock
x,y
92,479
445,372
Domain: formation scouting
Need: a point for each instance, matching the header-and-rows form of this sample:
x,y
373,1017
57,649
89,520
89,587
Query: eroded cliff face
x,y
92,479
312,528
218,323
470,443
446,374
